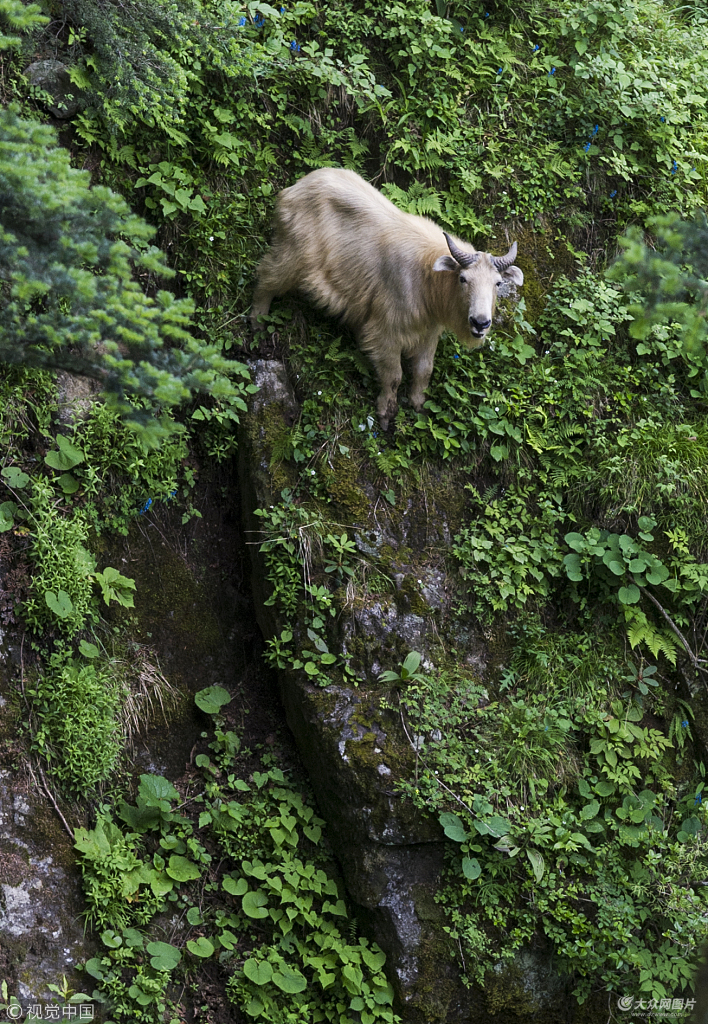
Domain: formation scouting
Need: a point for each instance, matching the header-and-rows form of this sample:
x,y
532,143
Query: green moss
x,y
410,599
340,481
544,258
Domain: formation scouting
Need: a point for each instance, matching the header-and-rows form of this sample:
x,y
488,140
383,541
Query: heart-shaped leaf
x,y
14,477
201,947
212,699
68,483
59,603
235,886
259,972
454,829
163,956
88,650
471,868
254,904
67,457
182,869
290,980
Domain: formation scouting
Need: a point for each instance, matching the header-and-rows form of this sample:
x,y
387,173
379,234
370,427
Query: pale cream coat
x,y
388,275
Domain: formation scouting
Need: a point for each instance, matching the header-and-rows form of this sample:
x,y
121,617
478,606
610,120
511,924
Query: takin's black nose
x,y
478,326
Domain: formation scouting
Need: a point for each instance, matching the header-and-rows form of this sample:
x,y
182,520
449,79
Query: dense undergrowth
x,y
570,783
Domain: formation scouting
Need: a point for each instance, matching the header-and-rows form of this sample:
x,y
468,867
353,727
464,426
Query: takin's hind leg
x,y
421,371
387,363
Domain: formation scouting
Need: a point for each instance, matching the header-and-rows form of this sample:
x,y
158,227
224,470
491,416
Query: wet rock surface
x,y
41,932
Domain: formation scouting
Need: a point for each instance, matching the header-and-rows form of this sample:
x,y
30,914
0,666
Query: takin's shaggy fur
x,y
397,280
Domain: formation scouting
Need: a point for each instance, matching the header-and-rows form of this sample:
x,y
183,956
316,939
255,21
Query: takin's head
x,y
479,278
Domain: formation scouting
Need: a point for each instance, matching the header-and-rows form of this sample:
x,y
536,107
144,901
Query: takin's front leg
x,y
387,362
262,298
421,369
277,274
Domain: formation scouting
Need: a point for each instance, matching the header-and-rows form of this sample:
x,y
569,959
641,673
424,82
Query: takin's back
x,y
355,254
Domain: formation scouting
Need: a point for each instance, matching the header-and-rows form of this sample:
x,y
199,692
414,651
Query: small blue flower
x,y
144,508
613,194
456,356
684,724
595,130
674,167
295,46
241,22
663,118
698,800
282,10
259,21
586,147
486,14
536,47
499,70
552,71
462,29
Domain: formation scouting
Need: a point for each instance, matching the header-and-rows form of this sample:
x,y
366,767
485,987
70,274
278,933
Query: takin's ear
x,y
446,263
515,275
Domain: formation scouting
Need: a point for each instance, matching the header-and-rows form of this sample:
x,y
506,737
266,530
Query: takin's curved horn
x,y
465,259
502,262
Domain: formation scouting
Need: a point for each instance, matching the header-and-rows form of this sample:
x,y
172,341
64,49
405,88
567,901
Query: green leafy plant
x,y
75,709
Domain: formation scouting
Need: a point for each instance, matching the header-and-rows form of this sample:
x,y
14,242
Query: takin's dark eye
x,y
463,279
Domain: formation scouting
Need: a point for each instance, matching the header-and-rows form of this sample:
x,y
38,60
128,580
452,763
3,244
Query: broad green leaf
x,y
14,477
8,511
471,868
453,827
182,869
234,886
156,791
133,938
88,650
59,603
201,947
259,972
313,832
93,967
498,826
67,457
289,979
68,483
163,956
537,862
410,665
373,960
212,699
254,904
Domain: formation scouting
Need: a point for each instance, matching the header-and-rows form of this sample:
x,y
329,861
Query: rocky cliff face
x,y
350,734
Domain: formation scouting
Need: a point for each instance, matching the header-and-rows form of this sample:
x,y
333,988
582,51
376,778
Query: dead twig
x,y
47,790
